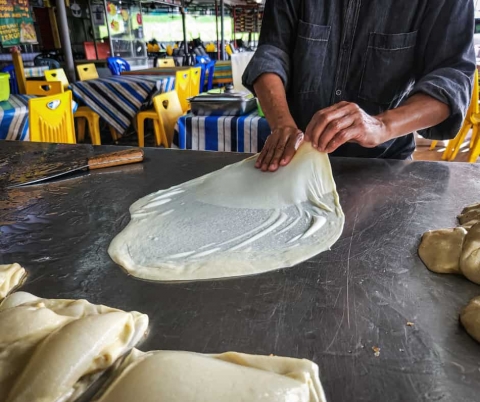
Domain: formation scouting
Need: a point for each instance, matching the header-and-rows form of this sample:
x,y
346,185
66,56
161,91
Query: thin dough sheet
x,y
232,222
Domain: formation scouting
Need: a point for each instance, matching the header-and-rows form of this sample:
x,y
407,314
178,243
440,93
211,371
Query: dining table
x,y
246,133
14,118
35,72
117,99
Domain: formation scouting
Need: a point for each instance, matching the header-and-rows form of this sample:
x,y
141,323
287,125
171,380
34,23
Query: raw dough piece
x,y
470,215
440,250
11,275
167,376
470,259
235,221
52,350
470,318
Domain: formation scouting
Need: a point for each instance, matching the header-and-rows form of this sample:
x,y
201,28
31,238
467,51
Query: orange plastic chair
x,y
19,71
87,72
57,75
169,110
472,121
44,88
195,75
182,87
165,63
51,119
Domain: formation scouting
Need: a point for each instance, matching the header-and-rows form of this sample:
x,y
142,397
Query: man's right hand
x,y
279,148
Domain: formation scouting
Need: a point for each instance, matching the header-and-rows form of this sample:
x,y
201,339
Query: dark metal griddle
x,y
332,309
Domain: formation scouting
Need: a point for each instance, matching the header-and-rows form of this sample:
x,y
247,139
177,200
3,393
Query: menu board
x,y
16,23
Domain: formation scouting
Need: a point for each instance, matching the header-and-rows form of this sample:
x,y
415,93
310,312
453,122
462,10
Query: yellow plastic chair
x,y
51,119
165,63
87,72
57,75
19,71
472,119
169,110
44,88
182,87
195,75
169,50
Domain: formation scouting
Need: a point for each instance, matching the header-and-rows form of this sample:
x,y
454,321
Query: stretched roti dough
x,y
470,318
235,377
52,350
235,221
11,276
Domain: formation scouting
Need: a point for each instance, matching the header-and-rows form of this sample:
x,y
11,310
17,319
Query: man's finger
x,y
333,129
291,148
278,154
341,138
270,151
325,111
263,153
321,120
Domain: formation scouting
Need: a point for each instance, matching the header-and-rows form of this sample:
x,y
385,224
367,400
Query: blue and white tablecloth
x,y
246,133
14,118
35,72
118,99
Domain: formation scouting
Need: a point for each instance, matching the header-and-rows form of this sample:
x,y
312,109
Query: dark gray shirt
x,y
375,53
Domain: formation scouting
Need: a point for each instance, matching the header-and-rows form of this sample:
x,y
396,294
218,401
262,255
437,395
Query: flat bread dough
x,y
11,276
235,221
52,350
470,215
172,376
470,318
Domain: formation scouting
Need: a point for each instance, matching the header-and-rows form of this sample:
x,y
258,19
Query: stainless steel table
x,y
332,309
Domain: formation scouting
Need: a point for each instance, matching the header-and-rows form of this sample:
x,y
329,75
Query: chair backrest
x,y
117,65
13,78
46,61
195,80
19,71
51,119
202,76
57,75
87,72
165,62
210,71
182,87
475,95
44,88
169,109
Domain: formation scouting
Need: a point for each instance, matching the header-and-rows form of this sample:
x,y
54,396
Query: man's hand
x,y
279,149
345,122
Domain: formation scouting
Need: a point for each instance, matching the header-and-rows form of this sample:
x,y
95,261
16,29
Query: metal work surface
x,y
331,309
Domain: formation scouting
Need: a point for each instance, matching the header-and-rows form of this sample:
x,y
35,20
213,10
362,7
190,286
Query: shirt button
x,y
338,92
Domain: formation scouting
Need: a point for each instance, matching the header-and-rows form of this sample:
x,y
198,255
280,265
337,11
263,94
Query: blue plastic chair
x,y
210,67
117,65
201,59
13,78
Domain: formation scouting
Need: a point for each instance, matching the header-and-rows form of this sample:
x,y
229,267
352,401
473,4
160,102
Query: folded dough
x,y
235,221
470,215
470,318
235,377
52,350
11,275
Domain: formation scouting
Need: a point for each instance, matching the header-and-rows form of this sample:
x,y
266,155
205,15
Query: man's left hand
x,y
345,122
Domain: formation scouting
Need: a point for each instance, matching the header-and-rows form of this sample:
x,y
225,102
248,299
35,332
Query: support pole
x,y
216,26
184,23
222,27
65,38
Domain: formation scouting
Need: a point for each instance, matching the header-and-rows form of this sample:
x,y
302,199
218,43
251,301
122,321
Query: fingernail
x,y
315,145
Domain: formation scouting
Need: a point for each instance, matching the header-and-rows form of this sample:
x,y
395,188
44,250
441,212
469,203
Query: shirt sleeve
x,y
446,62
277,39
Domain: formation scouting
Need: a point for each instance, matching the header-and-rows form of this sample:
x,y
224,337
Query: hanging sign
x,y
16,23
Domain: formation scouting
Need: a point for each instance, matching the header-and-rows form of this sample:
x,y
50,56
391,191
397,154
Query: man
x,y
357,77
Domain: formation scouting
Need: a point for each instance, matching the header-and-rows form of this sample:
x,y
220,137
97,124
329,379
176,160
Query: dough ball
x,y
469,215
470,257
440,250
470,318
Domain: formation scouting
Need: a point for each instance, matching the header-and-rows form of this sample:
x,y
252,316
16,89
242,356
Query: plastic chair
x,y
83,113
57,75
195,80
19,71
182,87
46,61
169,110
203,59
165,63
44,88
13,78
210,71
87,72
51,119
117,65
472,121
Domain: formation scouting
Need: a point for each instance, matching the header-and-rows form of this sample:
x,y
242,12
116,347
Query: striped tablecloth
x,y
118,99
222,133
35,72
14,118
